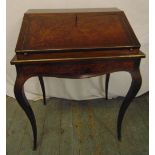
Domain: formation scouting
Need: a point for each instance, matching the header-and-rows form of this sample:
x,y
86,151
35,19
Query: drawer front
x,y
78,69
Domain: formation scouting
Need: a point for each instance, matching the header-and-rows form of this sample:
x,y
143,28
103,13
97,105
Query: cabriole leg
x,y
42,88
106,85
134,88
20,96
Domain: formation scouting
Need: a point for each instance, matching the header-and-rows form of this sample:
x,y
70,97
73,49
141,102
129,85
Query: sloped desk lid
x,y
75,30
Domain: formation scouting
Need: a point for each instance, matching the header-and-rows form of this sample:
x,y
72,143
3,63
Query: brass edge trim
x,y
87,58
75,49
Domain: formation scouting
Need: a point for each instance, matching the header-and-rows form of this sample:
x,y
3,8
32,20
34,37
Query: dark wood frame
x,y
77,63
77,69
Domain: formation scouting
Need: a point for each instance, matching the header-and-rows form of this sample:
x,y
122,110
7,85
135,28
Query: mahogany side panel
x,y
78,69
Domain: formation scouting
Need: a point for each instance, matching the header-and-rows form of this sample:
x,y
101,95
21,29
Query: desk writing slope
x,y
76,44
75,30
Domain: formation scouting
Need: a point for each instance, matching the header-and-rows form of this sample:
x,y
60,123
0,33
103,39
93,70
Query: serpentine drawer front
x,y
76,43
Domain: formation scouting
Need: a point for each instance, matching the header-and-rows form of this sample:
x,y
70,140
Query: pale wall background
x,y
137,14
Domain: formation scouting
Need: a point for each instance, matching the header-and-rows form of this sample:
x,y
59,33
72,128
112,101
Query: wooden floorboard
x,y
76,123
67,127
105,126
51,134
12,111
87,146
26,145
16,131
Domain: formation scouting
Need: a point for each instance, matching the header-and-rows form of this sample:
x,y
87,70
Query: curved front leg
x,y
107,85
134,88
20,96
43,88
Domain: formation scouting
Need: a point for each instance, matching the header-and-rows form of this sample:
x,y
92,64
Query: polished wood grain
x,y
75,31
77,69
78,44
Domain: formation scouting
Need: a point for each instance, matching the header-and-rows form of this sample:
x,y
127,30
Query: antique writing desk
x,y
79,43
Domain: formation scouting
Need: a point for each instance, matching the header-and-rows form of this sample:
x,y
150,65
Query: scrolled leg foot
x,y
134,88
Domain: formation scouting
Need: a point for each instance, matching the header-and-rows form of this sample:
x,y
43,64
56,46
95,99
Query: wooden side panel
x,y
78,69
